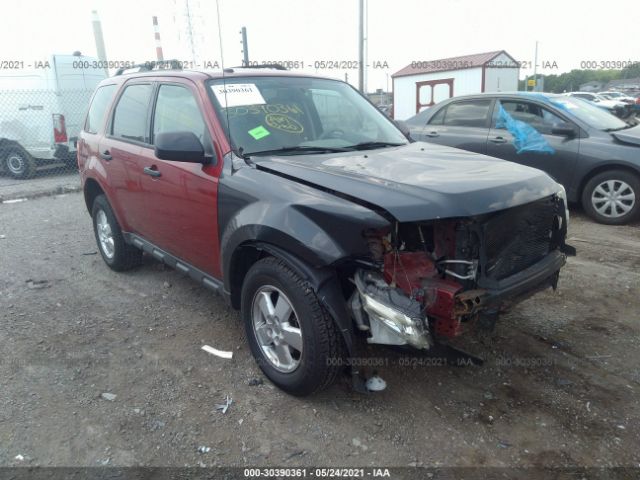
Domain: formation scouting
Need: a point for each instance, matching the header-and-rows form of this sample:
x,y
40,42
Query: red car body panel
x,y
179,208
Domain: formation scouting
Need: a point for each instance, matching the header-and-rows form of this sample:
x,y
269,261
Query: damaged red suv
x,y
311,212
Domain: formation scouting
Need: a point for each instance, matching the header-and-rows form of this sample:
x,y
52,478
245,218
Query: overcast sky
x,y
399,31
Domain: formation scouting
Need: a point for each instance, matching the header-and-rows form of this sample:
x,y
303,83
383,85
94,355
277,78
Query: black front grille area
x,y
519,237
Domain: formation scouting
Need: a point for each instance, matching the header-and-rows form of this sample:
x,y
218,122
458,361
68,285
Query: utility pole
x,y
361,49
245,46
156,34
535,69
190,34
99,39
389,93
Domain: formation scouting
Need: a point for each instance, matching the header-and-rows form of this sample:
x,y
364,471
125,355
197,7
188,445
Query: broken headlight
x,y
562,194
394,318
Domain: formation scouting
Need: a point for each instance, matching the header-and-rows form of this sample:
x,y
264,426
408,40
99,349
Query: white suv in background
x,y
619,109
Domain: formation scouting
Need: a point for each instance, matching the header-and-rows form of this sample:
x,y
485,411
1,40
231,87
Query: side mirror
x,y
179,147
564,131
403,127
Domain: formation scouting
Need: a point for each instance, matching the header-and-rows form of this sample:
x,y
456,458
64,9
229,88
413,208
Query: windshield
x,y
590,114
300,115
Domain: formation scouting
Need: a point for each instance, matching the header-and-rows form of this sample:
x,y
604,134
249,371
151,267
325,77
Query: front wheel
x,y
612,197
293,339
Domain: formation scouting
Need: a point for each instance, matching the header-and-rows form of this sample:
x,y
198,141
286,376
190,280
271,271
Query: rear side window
x,y
130,117
99,105
473,113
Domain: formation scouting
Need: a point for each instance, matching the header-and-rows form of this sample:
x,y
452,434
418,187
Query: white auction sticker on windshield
x,y
238,94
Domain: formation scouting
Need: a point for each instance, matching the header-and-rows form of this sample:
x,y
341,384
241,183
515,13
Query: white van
x,y
42,104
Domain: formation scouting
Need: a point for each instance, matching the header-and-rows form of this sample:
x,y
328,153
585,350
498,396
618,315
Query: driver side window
x,y
543,120
177,111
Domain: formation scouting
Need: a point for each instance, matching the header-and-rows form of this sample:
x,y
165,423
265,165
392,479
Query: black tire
x,y
323,347
18,163
613,215
71,161
122,256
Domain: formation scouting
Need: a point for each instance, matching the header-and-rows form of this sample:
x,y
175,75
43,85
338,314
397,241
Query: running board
x,y
196,274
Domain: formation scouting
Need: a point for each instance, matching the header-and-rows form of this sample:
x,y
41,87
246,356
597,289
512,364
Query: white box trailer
x,y
42,105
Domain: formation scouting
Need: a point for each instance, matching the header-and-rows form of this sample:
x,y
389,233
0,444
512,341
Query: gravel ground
x,y
100,368
55,180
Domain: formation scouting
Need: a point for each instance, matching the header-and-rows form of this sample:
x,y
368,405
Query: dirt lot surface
x,y
559,387
46,182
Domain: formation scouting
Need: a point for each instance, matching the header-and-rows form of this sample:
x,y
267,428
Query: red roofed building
x,y
423,83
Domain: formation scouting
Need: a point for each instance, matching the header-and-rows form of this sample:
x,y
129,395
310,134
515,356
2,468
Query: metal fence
x,y
38,132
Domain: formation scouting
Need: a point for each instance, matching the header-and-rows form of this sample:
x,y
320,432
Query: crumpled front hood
x,y
419,181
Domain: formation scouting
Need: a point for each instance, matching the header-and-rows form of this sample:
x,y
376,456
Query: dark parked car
x,y
309,210
596,155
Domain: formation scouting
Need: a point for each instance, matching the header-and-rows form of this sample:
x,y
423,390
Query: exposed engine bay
x,y
436,279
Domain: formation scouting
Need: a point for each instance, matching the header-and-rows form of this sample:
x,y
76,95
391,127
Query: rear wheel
x,y
19,163
116,253
293,339
612,197
71,161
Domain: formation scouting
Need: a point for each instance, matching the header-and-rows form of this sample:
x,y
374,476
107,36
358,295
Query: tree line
x,y
571,81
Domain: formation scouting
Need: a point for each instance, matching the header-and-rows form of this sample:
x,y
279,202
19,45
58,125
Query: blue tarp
x,y
525,137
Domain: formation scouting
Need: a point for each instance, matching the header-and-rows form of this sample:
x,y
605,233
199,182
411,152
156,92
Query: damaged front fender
x,y
312,230
319,228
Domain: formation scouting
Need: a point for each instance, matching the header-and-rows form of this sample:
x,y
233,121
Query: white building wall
x,y
501,80
501,75
465,82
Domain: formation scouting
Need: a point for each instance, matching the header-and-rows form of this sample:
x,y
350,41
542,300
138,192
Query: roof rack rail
x,y
150,66
272,66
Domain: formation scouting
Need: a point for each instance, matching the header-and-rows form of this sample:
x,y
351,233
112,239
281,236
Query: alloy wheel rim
x,y
105,234
15,163
613,198
277,329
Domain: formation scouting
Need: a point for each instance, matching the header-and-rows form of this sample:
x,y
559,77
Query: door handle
x,y
433,134
153,171
498,140
106,155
